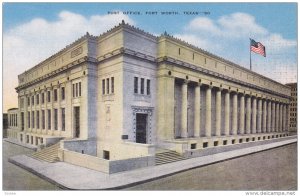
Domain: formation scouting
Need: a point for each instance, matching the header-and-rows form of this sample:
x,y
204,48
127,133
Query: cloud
x,y
228,36
235,25
28,44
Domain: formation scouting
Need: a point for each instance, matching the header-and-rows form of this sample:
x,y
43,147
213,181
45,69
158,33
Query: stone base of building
x,y
184,145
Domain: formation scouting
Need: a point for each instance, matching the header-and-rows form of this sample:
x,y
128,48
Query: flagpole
x,y
250,55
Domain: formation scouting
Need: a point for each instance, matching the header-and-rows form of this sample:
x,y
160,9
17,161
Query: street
x,y
16,178
274,169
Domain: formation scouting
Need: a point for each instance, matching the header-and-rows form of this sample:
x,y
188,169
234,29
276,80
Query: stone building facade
x,y
293,107
122,95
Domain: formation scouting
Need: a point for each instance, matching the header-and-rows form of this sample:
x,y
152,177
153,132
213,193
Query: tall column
x,y
273,116
218,112
254,130
227,112
277,118
259,116
234,113
264,123
69,110
46,111
248,114
269,117
288,117
59,110
280,117
242,114
284,117
208,112
184,105
25,118
197,115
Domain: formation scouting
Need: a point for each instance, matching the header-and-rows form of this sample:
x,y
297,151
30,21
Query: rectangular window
x,y
135,84
63,119
32,117
73,90
107,86
32,100
103,87
55,94
142,85
28,119
37,99
112,84
37,119
43,98
55,119
49,119
62,93
28,101
148,87
49,96
76,90
106,154
79,89
43,119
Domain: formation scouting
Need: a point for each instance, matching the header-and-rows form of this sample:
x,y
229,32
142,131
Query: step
x,y
168,158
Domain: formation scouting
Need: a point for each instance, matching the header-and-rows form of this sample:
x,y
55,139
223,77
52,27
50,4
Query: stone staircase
x,y
167,156
49,154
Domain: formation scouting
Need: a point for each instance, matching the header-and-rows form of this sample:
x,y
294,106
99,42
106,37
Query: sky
x,y
34,31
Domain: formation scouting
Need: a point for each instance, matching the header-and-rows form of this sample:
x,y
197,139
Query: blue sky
x,y
34,31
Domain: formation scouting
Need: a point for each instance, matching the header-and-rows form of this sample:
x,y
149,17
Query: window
x,y
37,119
112,85
135,84
103,87
55,94
79,89
179,51
32,118
28,101
62,93
63,119
106,154
55,119
43,98
148,87
48,96
76,90
142,85
43,119
28,119
37,99
107,85
49,119
32,100
73,90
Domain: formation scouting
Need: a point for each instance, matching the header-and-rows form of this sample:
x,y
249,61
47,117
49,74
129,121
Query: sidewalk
x,y
73,177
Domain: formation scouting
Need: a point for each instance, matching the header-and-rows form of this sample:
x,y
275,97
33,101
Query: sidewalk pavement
x,y
69,176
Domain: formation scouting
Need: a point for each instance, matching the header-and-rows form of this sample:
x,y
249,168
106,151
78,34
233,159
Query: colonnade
x,y
244,112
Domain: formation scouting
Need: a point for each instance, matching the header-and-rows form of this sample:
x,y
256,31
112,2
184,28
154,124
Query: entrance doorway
x,y
77,121
141,128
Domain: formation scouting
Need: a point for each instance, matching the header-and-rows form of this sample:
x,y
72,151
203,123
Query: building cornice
x,y
216,75
182,42
56,72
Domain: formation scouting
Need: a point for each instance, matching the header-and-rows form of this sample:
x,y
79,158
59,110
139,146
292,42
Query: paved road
x,y
16,178
274,169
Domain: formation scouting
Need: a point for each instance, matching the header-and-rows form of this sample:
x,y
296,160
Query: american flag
x,y
257,47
